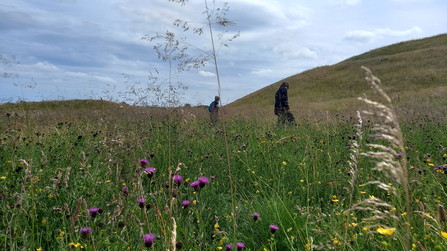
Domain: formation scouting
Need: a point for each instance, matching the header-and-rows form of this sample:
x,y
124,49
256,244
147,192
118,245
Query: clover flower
x,y
148,240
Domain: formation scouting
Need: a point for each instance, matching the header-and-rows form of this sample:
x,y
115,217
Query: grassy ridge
x,y
409,70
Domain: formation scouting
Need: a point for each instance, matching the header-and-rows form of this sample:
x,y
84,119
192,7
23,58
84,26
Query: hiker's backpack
x,y
211,107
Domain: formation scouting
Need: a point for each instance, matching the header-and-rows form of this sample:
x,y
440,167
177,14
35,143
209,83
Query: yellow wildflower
x,y
444,234
386,231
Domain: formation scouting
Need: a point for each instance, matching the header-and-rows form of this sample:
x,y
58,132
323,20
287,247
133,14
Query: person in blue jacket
x,y
214,110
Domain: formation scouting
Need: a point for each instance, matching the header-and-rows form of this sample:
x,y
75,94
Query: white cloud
x,y
360,36
105,79
45,66
207,74
389,32
369,36
346,2
292,50
263,72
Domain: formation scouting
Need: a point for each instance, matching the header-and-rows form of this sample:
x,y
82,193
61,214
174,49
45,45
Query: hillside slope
x,y
407,69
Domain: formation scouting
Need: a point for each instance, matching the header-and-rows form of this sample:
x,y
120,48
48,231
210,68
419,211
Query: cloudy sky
x,y
67,49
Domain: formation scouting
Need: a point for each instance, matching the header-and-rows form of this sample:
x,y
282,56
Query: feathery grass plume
x,y
385,162
67,174
75,216
354,155
173,234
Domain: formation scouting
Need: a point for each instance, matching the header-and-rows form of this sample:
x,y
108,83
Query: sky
x,y
79,49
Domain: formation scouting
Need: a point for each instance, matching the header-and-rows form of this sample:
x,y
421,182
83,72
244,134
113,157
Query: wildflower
x,y
3,177
39,249
185,204
386,231
148,240
228,247
399,155
144,162
240,246
152,155
121,224
125,191
195,185
85,232
177,179
94,212
256,216
203,181
284,163
273,228
141,202
444,234
348,173
150,172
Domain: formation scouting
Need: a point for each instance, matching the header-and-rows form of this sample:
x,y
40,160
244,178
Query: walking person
x,y
282,109
214,110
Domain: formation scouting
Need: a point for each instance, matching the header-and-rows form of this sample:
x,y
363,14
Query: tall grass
x,y
310,180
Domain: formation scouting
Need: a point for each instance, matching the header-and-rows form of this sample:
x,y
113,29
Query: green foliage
x,y
295,178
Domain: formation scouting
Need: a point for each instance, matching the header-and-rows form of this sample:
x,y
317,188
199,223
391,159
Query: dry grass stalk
x,y
75,216
173,234
385,158
441,211
66,177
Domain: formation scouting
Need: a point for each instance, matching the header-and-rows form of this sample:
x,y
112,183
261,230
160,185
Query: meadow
x,y
96,175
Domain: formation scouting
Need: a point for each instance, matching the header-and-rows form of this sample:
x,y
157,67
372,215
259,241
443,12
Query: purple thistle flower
x,y
399,155
273,228
256,216
240,245
94,212
195,185
85,232
420,124
150,172
144,162
125,191
141,202
148,240
228,247
177,179
185,204
203,181
348,173
212,177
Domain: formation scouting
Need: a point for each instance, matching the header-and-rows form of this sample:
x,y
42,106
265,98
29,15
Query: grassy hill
x,y
412,72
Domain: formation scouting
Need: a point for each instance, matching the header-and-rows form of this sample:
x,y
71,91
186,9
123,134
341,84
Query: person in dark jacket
x,y
282,109
214,110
